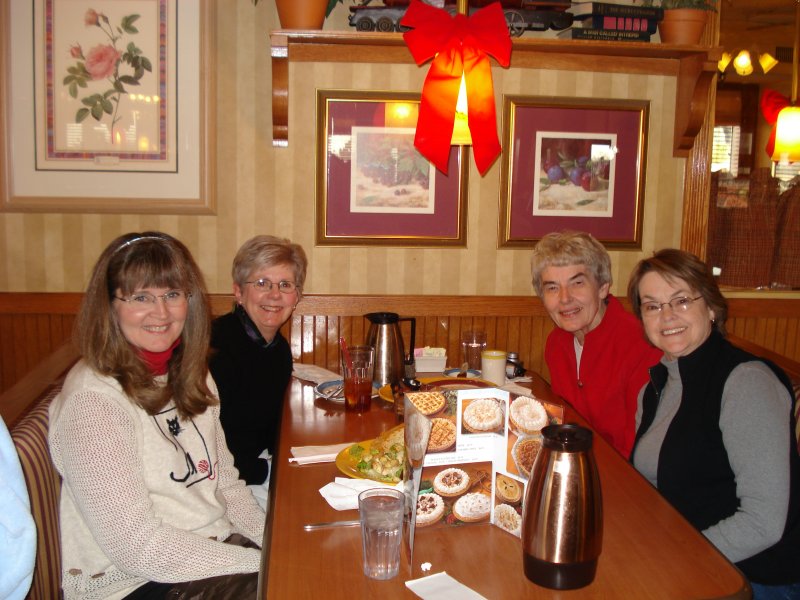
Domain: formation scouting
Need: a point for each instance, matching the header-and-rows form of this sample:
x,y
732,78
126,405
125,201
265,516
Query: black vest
x,y
694,473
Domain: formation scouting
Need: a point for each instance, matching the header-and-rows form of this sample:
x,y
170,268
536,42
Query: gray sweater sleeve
x,y
754,422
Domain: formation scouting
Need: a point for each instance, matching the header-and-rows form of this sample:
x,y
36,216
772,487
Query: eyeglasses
x,y
146,300
265,285
679,304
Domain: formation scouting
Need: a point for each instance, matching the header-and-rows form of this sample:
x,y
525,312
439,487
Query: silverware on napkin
x,y
313,526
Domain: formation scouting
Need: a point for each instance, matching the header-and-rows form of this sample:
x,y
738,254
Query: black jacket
x,y
252,377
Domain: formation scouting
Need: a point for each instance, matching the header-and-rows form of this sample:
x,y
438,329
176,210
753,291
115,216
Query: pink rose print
x,y
91,17
119,61
101,61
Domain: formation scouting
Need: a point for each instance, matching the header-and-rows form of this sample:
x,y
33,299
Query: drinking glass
x,y
357,375
493,366
472,344
381,515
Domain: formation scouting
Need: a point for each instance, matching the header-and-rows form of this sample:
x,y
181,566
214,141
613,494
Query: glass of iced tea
x,y
357,368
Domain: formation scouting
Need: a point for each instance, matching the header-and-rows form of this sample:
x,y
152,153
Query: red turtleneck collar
x,y
158,361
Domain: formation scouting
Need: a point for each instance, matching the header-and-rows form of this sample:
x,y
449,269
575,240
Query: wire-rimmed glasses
x,y
146,300
678,305
265,285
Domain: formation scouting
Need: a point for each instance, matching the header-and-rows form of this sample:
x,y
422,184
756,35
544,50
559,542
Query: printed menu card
x,y
469,454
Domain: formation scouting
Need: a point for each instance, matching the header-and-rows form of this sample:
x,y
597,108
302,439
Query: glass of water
x,y
381,514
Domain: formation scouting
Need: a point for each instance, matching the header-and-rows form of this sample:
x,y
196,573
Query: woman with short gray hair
x,y
597,354
251,361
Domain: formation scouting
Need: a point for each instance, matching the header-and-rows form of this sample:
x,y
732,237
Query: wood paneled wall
x,y
32,326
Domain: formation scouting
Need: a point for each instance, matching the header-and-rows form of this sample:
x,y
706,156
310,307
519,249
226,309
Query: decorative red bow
x,y
772,103
457,45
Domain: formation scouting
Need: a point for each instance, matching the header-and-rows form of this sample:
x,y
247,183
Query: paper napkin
x,y
440,586
513,388
342,493
313,373
303,455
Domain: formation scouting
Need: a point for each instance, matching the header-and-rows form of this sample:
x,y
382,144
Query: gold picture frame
x,y
573,163
373,187
24,187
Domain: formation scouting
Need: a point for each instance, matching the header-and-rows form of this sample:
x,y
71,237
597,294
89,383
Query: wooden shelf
x,y
694,67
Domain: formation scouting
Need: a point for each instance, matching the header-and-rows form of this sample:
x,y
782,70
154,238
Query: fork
x,y
335,392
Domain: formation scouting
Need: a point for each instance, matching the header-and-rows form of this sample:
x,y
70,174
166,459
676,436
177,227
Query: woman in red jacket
x,y
597,355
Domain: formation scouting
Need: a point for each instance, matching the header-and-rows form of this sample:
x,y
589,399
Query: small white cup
x,y
493,366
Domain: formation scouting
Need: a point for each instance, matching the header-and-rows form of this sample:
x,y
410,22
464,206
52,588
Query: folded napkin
x,y
303,455
440,586
517,389
342,493
313,373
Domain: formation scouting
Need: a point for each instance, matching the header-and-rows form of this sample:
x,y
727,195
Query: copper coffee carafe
x,y
562,521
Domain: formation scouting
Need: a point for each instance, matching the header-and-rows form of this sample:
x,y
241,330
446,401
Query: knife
x,y
314,526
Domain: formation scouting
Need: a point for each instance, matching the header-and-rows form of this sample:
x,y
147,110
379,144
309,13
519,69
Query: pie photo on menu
x,y
443,435
527,416
455,494
508,493
483,415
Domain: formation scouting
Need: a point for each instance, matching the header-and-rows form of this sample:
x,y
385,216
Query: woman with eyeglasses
x,y
597,354
151,503
251,361
715,425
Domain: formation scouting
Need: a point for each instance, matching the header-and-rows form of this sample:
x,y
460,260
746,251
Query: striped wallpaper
x,y
261,189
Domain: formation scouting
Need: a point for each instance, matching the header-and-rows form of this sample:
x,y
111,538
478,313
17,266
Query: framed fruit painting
x,y
573,163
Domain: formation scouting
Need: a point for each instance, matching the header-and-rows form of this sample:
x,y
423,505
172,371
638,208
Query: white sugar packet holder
x,y
342,493
303,455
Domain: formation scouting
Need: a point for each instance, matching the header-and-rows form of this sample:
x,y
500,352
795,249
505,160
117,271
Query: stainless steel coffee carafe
x,y
562,522
384,335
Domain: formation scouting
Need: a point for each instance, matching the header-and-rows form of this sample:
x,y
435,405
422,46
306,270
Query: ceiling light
x,y
742,63
767,61
724,61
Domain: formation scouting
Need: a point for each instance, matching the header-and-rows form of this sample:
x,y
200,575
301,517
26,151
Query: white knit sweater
x,y
144,498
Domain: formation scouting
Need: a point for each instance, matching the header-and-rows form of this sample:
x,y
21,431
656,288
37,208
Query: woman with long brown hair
x,y
151,502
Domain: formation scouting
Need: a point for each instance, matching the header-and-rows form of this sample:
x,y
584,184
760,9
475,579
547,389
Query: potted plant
x,y
684,20
304,14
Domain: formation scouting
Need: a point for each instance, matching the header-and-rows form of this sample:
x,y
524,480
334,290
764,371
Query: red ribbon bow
x,y
772,103
458,45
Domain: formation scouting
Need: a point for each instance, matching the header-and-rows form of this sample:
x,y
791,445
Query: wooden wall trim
x,y
34,325
68,303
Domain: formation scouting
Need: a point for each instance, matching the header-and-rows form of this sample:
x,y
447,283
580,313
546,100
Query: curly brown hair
x,y
128,263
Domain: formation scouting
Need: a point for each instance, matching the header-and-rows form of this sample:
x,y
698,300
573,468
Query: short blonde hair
x,y
567,248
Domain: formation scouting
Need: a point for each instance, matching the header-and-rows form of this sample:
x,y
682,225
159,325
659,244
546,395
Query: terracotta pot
x,y
682,26
301,14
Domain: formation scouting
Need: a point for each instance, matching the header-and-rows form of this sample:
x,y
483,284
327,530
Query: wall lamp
x,y
787,127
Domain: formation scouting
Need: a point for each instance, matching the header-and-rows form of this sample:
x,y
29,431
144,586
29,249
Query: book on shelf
x,y
611,35
618,23
586,9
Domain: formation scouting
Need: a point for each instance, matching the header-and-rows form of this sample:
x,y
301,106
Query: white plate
x,y
325,387
471,373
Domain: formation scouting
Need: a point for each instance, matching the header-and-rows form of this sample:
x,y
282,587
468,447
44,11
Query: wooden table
x,y
649,550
